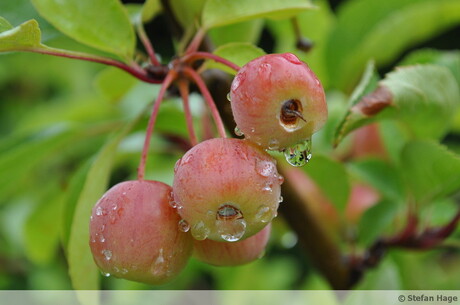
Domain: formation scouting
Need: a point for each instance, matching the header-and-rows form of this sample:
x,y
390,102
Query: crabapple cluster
x,y
225,192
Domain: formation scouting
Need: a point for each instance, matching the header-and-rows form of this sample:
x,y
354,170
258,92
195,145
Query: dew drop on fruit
x,y
229,98
280,199
107,254
280,179
238,132
124,271
268,187
299,154
265,168
99,211
159,266
291,58
184,225
106,274
101,238
273,144
231,230
176,166
200,231
264,214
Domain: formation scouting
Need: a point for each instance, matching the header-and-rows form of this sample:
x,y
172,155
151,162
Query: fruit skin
x,y
259,91
134,233
232,254
220,172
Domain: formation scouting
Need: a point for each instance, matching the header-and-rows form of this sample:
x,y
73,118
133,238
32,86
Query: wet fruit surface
x,y
226,189
134,233
277,101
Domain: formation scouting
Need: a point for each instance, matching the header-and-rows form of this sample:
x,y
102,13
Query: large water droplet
x,y
280,199
280,179
231,230
229,98
184,225
200,231
238,132
273,144
107,254
299,154
264,214
292,58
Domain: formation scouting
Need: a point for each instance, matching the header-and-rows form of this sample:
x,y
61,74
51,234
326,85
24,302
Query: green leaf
x,y
375,220
101,24
4,25
150,9
23,37
187,12
430,169
41,231
82,269
391,26
332,179
381,175
114,83
222,12
239,53
248,32
424,98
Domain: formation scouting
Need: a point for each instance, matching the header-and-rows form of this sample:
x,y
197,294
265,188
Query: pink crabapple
x,y
277,101
226,189
219,253
134,233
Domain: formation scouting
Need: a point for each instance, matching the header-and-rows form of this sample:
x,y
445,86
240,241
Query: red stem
x,y
196,41
136,72
184,92
147,44
208,98
170,77
200,55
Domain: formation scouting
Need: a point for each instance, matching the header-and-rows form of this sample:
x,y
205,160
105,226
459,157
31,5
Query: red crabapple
x,y
219,253
134,233
277,101
226,189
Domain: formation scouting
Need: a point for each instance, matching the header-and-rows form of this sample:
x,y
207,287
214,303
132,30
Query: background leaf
x,y
21,38
424,98
101,24
430,170
351,44
239,53
223,12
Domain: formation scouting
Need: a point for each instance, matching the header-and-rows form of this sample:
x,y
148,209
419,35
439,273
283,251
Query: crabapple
x,y
226,189
277,101
134,233
232,254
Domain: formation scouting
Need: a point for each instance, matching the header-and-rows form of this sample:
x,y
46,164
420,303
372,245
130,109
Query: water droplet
x,y
265,168
124,271
176,166
238,132
187,158
229,98
91,218
231,230
200,231
228,212
264,214
291,58
253,129
99,211
265,69
124,193
184,225
159,265
114,207
273,144
261,254
107,254
299,154
268,187
280,199
280,179
101,238
106,274
237,81
116,269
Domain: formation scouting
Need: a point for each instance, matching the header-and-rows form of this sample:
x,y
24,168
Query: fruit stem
x,y
202,55
147,44
184,92
208,98
134,71
196,41
170,77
